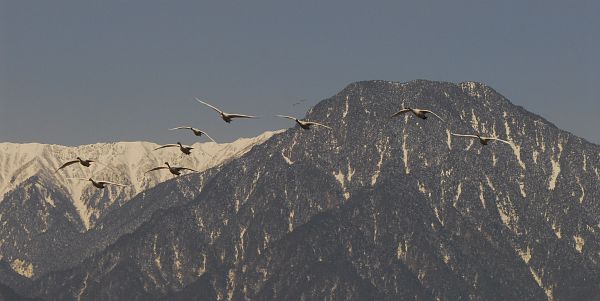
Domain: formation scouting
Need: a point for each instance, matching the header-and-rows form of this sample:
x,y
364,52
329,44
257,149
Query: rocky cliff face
x,y
377,208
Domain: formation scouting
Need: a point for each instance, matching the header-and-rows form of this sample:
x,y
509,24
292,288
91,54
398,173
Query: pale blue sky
x,y
77,72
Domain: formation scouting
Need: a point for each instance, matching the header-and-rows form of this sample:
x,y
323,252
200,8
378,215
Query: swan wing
x,y
167,145
461,135
157,168
111,183
317,124
207,104
209,137
400,112
497,139
434,114
67,164
240,116
181,128
185,168
286,116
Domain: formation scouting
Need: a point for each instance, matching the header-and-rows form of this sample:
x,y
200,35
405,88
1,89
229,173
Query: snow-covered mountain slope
x,y
124,162
374,209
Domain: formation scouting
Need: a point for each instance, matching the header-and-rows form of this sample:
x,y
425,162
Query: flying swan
x,y
196,131
98,184
482,140
226,116
303,123
173,169
418,112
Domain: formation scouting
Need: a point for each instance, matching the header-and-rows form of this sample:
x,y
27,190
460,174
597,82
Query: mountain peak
x,y
376,208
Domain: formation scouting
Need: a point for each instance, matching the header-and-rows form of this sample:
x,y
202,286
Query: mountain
x,y
375,209
44,215
121,161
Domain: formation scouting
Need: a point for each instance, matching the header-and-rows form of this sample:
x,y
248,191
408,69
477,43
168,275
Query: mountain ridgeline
x,y
50,222
378,208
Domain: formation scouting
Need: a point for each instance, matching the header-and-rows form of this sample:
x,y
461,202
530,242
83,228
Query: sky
x,y
79,72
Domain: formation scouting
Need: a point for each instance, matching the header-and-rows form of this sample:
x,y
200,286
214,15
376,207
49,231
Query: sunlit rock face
x,y
378,208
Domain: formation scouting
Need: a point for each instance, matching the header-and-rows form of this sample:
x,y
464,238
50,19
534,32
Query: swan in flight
x,y
83,162
418,112
98,184
196,131
226,116
304,124
183,148
483,140
173,169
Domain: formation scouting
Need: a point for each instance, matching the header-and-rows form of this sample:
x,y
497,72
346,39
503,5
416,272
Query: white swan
x,y
98,184
482,140
418,112
226,116
83,162
173,169
303,123
183,148
196,131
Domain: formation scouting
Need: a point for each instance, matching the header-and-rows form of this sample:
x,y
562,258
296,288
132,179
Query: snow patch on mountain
x,y
120,162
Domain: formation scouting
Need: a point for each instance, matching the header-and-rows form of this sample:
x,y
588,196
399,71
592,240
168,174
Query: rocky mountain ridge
x,y
376,209
45,215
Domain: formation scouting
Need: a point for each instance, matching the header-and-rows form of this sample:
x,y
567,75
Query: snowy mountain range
x,y
124,162
374,209
36,201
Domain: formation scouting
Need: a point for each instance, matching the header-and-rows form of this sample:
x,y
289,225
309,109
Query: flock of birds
x,y
423,115
228,117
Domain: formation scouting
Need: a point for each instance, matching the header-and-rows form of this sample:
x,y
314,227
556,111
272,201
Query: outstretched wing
x,y
497,139
209,137
157,168
400,112
434,114
181,128
167,145
288,117
240,116
207,104
67,164
185,168
317,124
111,183
460,135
